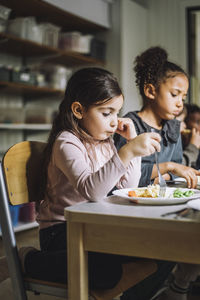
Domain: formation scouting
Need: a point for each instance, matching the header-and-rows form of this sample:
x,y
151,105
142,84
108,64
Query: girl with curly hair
x,y
163,86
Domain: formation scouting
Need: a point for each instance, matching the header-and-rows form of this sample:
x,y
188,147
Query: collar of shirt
x,y
170,130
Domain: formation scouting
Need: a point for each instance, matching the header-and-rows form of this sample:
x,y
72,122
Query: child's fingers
x,y
126,128
156,145
123,123
120,126
191,178
197,172
155,139
155,136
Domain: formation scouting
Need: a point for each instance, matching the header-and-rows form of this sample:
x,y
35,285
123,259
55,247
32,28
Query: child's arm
x,y
180,170
188,173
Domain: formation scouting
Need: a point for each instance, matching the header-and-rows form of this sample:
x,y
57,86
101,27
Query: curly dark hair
x,y
153,67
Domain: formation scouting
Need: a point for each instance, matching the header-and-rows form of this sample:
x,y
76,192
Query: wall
x,y
124,42
96,11
133,41
168,27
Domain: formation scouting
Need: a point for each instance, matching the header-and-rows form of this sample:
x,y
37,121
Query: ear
x,y
149,91
77,110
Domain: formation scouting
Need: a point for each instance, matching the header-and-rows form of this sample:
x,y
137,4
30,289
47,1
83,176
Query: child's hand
x,y
142,145
166,176
195,138
126,128
188,173
145,144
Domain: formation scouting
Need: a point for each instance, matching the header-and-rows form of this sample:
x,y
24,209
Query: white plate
x,y
195,204
157,201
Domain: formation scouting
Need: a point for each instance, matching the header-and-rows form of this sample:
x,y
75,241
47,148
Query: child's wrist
x,y
170,166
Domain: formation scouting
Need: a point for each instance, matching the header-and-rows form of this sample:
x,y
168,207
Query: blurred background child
x,y
190,134
192,121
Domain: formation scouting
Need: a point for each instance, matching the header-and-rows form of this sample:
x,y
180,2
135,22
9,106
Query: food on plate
x,y
132,194
186,131
178,193
151,191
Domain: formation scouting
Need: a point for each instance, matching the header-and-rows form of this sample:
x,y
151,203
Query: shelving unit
x,y
29,49
34,52
51,13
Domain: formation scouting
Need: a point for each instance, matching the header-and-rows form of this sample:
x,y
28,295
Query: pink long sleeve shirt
x,y
79,172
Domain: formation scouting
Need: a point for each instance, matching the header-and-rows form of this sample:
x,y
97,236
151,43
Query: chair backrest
x,y
22,168
20,172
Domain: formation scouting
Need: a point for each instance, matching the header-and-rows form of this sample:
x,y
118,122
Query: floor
x,y
30,238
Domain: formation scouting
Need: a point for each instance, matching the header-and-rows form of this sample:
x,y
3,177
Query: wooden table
x,y
126,229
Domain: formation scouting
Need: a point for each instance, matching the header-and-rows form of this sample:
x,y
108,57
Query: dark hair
x,y
89,86
153,67
191,109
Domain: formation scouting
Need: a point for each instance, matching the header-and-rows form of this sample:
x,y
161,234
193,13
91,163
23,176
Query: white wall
x,y
133,41
96,11
167,27
126,39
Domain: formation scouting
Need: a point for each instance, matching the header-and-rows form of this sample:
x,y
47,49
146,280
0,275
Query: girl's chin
x,y
170,117
102,138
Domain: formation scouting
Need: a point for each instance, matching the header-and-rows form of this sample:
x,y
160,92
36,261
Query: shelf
x,y
24,226
29,49
28,90
26,126
46,12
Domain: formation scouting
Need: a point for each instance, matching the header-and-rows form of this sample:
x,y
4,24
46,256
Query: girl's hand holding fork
x,y
142,145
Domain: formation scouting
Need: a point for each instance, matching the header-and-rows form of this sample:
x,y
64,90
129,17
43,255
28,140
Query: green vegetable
x,y
181,194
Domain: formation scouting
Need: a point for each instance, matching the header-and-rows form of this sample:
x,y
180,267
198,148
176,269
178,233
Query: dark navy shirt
x,y
171,145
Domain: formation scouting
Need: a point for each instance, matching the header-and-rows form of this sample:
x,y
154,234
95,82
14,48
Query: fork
x,y
162,181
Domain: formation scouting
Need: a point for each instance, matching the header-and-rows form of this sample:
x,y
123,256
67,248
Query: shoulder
x,y
67,140
132,115
140,125
67,136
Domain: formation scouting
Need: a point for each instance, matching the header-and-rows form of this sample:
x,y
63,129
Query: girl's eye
x,y
106,114
173,95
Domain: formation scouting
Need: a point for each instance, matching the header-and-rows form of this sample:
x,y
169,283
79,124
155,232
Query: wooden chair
x,y
19,175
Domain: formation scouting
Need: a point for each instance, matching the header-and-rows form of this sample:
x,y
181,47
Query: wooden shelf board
x,y
71,58
28,90
23,47
25,126
50,13
29,49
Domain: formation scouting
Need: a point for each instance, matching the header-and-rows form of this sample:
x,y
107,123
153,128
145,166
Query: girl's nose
x,y
180,103
114,122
